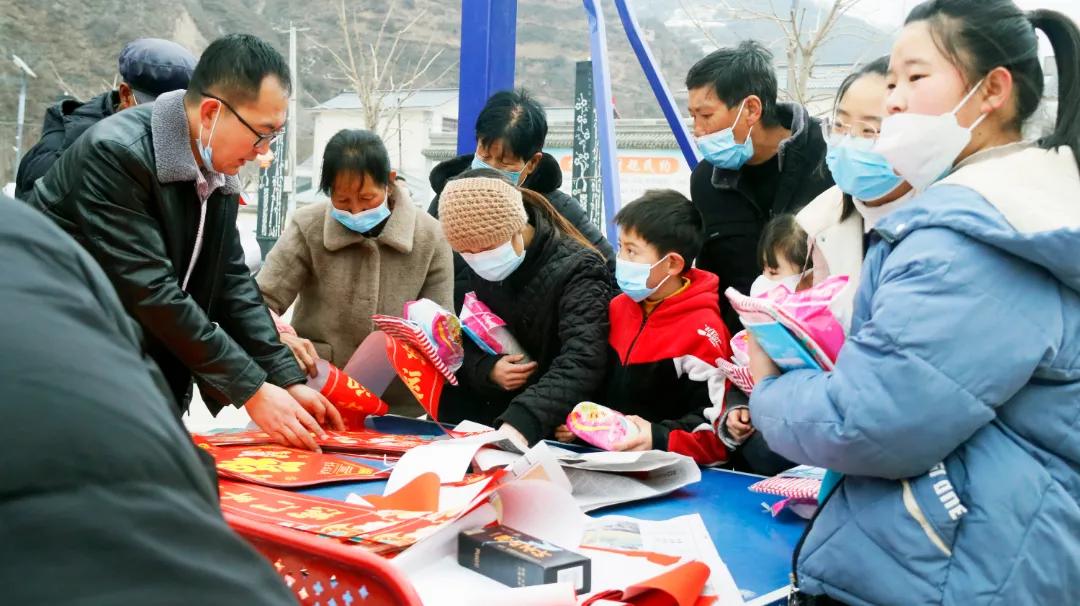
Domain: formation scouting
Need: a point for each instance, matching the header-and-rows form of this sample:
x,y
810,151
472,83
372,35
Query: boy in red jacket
x,y
666,331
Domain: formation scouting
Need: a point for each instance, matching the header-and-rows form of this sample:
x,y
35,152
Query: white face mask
x,y
923,147
497,264
764,284
872,215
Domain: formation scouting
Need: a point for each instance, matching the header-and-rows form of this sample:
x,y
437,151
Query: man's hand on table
x,y
286,415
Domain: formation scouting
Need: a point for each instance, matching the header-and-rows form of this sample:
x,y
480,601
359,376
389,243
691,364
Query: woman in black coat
x,y
540,275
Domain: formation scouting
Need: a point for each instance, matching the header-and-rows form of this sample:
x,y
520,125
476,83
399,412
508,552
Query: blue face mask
x,y
858,171
497,264
513,175
206,153
721,150
365,220
633,278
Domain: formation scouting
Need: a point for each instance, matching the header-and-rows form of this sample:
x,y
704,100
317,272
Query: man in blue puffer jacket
x,y
954,408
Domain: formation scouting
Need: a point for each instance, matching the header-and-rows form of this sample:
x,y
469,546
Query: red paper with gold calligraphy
x,y
385,531
364,441
419,375
283,467
353,401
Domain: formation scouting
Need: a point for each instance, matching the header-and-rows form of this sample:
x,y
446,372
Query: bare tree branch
x,y
803,36
373,66
698,25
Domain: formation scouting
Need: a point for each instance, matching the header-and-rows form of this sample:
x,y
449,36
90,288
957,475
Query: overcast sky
x,y
890,13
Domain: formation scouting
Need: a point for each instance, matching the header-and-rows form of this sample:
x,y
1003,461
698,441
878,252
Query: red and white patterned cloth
x,y
802,482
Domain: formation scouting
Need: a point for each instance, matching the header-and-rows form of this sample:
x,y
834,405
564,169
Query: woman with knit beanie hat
x,y
537,272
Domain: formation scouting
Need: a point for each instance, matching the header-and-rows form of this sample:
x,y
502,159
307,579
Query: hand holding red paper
x,y
354,401
286,420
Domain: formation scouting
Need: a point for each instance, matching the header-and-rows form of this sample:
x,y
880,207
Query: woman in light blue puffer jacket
x,y
954,408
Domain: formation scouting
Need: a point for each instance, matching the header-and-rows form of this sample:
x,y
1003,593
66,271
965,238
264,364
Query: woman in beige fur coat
x,y
367,251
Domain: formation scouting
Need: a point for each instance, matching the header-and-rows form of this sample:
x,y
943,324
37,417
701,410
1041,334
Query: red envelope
x,y
354,401
370,441
678,586
365,441
421,494
422,378
282,467
384,531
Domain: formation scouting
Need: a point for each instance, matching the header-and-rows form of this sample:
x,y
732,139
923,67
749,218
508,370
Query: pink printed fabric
x,y
479,318
740,348
801,482
599,425
806,314
739,376
442,329
408,332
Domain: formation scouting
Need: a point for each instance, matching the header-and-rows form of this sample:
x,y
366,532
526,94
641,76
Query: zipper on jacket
x,y
793,594
641,329
198,245
916,512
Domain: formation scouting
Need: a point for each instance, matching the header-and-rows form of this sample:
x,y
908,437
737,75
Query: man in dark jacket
x,y
152,195
104,499
762,158
510,134
148,67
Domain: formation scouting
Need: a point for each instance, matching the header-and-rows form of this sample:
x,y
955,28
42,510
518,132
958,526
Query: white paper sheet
x,y
596,489
445,583
543,510
449,459
598,479
684,536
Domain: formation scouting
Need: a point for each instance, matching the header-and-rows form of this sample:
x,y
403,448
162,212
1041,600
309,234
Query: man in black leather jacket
x,y
152,194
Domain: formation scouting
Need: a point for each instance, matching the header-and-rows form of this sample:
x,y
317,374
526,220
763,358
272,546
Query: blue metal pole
x,y
605,117
488,49
656,81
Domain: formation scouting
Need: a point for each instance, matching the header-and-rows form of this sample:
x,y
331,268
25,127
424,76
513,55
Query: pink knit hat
x,y
480,213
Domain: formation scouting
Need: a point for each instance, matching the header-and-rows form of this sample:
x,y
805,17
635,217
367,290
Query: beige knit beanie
x,y
480,213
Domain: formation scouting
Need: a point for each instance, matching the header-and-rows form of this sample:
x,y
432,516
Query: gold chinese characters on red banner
x,y
283,467
358,442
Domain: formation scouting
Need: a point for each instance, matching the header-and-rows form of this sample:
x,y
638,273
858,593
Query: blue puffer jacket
x,y
954,408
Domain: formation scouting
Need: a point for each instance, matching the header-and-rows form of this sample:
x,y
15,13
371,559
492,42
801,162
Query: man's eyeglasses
x,y
854,128
261,138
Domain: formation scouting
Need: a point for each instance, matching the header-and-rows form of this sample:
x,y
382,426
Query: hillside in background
x,y
73,46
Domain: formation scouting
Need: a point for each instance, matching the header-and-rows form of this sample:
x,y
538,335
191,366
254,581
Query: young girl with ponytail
x,y
953,413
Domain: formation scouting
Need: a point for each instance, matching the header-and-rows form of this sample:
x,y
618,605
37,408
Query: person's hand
x,y
304,351
761,365
317,406
510,375
738,424
563,434
278,413
641,441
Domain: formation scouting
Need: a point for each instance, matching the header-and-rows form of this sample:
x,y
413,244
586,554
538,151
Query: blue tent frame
x,y
488,52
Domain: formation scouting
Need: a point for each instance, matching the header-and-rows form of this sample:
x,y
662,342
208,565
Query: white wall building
x,y
412,118
649,157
